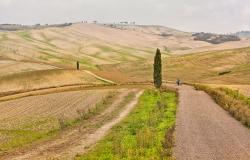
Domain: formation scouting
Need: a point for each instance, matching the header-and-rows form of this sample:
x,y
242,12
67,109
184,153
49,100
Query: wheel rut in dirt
x,y
79,140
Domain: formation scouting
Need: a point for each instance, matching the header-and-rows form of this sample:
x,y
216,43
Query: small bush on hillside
x,y
223,73
165,34
62,123
82,114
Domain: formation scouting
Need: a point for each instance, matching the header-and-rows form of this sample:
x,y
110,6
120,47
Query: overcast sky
x,y
222,16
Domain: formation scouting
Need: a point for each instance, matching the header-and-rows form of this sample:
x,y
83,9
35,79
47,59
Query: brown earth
x,y
204,131
46,78
55,104
37,118
80,139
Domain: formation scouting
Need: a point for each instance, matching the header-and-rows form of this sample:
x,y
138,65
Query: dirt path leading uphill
x,y
98,77
205,131
79,140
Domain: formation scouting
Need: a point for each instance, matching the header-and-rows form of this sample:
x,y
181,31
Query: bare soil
x,y
46,78
78,140
204,131
66,103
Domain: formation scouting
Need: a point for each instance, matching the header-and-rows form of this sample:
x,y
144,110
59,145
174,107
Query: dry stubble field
x,y
29,119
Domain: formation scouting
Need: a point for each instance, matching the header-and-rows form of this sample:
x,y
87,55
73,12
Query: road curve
x,y
204,131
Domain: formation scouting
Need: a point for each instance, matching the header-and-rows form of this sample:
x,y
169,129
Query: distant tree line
x,y
16,27
243,34
215,38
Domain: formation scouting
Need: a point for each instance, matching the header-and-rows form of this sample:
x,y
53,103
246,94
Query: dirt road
x,y
79,140
205,131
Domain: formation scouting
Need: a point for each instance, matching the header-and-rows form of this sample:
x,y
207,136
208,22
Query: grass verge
x,y
230,100
16,138
145,134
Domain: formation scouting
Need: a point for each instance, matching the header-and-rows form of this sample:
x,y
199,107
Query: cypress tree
x,y
157,69
77,65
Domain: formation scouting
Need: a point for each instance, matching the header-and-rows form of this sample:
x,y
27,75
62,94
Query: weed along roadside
x,y
146,133
230,100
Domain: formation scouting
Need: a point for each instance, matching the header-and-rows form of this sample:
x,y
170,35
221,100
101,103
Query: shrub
x,y
62,123
223,73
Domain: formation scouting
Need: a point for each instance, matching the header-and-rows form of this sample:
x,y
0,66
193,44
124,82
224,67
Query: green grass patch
x,y
47,41
87,63
22,137
25,35
24,134
51,56
105,48
125,53
143,134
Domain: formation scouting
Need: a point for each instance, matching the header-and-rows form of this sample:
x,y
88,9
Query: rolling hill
x,y
122,53
47,106
93,44
220,67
